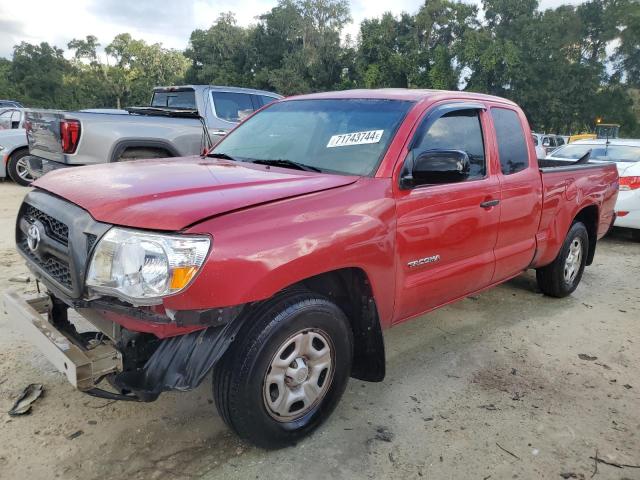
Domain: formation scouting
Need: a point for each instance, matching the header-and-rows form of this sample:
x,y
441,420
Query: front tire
x,y
17,168
561,277
286,371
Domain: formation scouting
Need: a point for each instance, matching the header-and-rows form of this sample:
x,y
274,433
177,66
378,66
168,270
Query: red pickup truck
x,y
278,260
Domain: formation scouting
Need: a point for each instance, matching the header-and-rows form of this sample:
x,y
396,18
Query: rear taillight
x,y
629,183
69,135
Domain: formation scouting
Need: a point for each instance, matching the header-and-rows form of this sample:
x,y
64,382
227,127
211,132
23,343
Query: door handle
x,y
489,203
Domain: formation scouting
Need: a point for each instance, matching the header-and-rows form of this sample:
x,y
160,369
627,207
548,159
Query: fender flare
x,y
180,362
121,145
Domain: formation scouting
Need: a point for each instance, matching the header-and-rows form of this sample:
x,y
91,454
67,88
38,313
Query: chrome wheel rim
x,y
22,170
574,261
299,375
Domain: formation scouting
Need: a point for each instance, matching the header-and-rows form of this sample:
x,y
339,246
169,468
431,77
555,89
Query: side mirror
x,y
433,167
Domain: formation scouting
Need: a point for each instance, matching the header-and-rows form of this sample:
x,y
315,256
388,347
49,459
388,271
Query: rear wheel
x,y
561,277
635,234
287,371
17,168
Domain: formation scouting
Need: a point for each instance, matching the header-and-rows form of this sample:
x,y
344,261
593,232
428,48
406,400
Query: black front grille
x,y
91,241
67,235
56,268
54,228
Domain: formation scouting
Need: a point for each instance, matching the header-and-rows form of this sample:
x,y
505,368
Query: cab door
x,y
521,194
446,231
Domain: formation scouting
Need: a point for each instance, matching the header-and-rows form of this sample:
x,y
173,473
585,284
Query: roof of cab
x,y
407,94
219,88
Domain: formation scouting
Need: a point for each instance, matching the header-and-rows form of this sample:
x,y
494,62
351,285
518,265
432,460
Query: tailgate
x,y
43,134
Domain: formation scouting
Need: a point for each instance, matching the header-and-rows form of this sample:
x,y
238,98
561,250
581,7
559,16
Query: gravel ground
x,y
508,384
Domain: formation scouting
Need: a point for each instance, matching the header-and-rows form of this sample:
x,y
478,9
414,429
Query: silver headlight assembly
x,y
142,267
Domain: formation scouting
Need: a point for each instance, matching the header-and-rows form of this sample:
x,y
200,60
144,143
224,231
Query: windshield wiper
x,y
282,162
223,156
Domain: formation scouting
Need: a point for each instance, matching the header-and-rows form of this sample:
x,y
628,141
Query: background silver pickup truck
x,y
173,125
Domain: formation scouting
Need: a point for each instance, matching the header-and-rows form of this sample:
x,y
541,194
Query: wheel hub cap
x,y
298,372
299,375
574,261
23,171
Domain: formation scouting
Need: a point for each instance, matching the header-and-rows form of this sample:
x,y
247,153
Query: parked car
x,y
551,142
11,118
13,146
626,155
10,103
541,152
278,261
172,125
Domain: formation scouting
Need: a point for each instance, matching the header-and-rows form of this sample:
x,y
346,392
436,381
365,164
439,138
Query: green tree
x,y
139,67
627,55
386,50
220,55
37,73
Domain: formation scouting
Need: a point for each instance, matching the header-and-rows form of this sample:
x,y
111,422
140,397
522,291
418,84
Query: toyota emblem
x,y
33,237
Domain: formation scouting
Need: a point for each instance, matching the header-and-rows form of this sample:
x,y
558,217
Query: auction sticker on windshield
x,y
355,138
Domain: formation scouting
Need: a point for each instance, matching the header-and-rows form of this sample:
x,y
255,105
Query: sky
x,y
169,22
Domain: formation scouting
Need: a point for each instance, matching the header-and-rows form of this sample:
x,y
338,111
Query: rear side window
x,y
232,107
174,99
512,147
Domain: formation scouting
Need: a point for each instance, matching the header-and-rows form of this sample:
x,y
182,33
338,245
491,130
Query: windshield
x,y
342,136
174,99
609,153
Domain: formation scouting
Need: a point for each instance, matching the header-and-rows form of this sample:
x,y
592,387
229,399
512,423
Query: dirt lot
x,y
491,387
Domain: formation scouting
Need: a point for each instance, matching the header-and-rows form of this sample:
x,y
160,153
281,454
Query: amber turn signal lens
x,y
181,277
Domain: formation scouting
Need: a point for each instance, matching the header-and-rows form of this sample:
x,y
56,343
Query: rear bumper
x,y
84,368
38,166
629,203
630,220
4,158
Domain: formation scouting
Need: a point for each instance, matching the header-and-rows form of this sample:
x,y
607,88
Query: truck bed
x,y
567,188
548,165
101,133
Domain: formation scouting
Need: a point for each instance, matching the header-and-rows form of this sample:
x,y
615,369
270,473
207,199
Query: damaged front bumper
x,y
138,365
83,367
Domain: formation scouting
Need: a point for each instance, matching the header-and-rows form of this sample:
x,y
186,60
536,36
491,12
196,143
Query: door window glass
x,y
459,130
512,147
232,107
266,100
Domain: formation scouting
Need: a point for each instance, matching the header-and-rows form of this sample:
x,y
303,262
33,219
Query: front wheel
x,y
561,277
286,371
17,168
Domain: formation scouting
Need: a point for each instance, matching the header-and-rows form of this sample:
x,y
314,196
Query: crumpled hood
x,y
171,194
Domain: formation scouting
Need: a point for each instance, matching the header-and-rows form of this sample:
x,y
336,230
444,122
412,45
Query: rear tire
x,y
286,371
635,234
17,168
561,277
